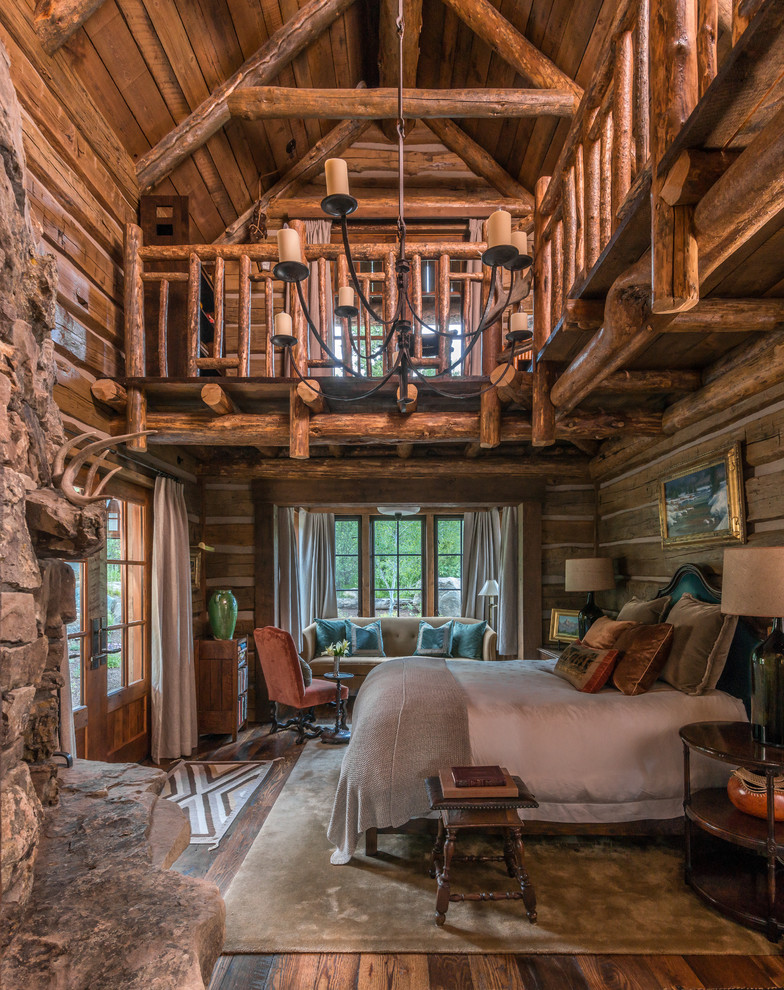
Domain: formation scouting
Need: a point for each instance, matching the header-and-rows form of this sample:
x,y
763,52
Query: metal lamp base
x,y
346,312
519,263
339,205
290,271
767,689
587,615
501,254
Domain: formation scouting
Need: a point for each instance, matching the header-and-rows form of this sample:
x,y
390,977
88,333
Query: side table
x,y
745,882
341,733
479,814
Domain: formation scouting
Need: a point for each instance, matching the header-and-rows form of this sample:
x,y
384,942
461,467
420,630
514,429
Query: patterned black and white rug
x,y
213,794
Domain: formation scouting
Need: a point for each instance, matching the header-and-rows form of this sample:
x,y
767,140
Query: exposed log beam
x,y
56,20
331,145
382,204
388,51
271,102
711,315
515,49
310,21
489,420
311,395
387,427
107,391
479,161
404,450
219,401
692,175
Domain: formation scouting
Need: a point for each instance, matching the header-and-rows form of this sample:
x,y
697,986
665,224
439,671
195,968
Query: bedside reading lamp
x,y
490,590
753,584
589,574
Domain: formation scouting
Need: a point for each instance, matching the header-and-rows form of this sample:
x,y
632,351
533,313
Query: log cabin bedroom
x,y
392,528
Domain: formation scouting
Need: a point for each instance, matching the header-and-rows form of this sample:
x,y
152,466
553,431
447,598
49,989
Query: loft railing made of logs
x,y
155,265
604,166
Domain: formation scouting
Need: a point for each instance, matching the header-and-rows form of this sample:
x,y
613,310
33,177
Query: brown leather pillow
x,y
604,633
644,653
650,612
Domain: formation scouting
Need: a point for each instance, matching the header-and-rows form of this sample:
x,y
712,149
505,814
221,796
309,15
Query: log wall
x,y
629,475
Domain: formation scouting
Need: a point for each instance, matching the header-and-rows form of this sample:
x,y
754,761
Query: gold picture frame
x,y
563,625
195,570
702,504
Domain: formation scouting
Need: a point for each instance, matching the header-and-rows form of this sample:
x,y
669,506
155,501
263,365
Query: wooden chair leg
x,y
371,842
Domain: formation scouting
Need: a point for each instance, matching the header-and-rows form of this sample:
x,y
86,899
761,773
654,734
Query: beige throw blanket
x,y
409,722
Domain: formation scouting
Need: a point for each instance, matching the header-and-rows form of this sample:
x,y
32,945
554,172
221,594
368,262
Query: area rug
x,y
213,794
593,896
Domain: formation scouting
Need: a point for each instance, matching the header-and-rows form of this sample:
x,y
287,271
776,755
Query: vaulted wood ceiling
x,y
148,64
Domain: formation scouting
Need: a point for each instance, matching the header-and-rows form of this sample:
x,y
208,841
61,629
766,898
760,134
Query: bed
x,y
592,760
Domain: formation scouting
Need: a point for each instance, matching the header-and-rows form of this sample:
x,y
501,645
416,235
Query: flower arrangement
x,y
337,651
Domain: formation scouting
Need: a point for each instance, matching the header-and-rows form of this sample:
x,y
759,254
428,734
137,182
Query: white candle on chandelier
x,y
345,296
283,324
336,171
518,321
499,228
520,241
288,245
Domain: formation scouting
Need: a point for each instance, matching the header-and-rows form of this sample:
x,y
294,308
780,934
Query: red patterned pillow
x,y
588,670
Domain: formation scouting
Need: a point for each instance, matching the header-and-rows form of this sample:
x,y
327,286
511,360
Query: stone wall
x,y
38,526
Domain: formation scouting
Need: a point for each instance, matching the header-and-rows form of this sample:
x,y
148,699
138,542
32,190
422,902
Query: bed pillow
x,y
468,639
365,641
701,642
434,641
650,612
307,672
643,653
329,631
603,633
588,670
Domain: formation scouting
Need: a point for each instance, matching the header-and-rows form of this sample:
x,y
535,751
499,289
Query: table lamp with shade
x,y
490,590
589,574
753,584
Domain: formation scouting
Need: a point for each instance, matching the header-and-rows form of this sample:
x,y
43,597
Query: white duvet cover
x,y
588,757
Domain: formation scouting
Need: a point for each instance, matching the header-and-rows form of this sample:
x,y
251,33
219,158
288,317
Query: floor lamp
x,y
490,590
589,574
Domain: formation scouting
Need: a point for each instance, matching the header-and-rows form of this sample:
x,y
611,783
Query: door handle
x,y
98,653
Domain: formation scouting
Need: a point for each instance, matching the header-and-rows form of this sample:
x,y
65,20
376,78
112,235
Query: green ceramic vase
x,y
223,614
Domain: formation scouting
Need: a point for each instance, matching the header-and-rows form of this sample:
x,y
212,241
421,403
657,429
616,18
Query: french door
x,y
109,643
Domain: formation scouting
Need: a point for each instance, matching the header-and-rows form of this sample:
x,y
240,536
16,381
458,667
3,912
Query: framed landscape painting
x,y
563,625
703,503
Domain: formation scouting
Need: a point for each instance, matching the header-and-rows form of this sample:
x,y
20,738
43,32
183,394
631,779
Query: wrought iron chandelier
x,y
504,250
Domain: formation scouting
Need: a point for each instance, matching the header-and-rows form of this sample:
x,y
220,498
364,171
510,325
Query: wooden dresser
x,y
222,685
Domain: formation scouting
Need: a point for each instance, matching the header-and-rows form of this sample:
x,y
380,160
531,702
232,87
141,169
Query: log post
x,y
390,303
299,428
579,203
707,37
194,313
623,102
592,193
416,301
605,182
674,90
556,295
163,328
311,395
324,310
220,308
543,412
489,420
269,319
642,113
343,281
134,332
569,231
243,319
300,326
442,312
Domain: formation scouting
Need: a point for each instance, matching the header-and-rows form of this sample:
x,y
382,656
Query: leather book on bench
x,y
492,776
451,792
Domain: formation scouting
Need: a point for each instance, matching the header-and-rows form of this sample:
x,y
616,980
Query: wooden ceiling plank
x,y
479,160
483,19
336,141
56,20
389,52
310,21
260,102
300,66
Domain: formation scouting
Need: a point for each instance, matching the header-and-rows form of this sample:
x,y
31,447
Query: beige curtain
x,y
507,584
319,232
481,558
174,728
288,616
473,366
318,595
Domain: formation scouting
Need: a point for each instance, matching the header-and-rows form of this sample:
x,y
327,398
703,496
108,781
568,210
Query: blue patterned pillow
x,y
366,641
329,631
434,641
467,639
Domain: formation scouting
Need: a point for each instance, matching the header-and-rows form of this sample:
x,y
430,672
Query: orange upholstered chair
x,y
285,685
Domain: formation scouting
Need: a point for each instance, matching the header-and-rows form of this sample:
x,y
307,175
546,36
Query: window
x,y
348,565
78,642
449,564
125,593
397,566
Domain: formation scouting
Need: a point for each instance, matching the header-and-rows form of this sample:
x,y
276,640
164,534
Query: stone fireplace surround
x,y
87,897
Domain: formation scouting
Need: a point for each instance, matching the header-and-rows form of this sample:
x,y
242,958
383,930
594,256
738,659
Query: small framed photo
x,y
563,625
702,504
195,570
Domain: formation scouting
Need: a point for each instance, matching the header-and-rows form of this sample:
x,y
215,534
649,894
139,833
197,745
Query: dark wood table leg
x,y
529,894
371,842
438,849
442,898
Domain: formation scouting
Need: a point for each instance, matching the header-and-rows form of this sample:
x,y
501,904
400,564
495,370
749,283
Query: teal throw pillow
x,y
366,641
434,641
467,639
329,631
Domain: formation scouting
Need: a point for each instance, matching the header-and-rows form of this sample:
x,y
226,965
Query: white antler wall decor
x,y
65,477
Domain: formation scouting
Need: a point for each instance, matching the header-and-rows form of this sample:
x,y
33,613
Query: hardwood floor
x,y
431,972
